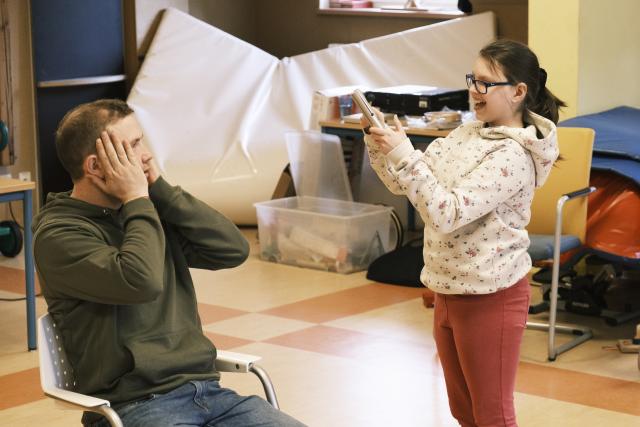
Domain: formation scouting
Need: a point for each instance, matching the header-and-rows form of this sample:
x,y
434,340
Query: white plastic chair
x,y
57,380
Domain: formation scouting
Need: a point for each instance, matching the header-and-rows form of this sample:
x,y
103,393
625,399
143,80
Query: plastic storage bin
x,y
321,232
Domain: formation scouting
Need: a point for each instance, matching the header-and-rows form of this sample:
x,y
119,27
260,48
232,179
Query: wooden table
x,y
12,190
418,135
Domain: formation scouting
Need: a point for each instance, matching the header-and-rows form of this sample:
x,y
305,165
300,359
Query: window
x,y
432,5
429,9
421,4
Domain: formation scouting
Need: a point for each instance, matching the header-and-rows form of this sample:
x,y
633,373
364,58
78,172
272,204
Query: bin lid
x,y
317,165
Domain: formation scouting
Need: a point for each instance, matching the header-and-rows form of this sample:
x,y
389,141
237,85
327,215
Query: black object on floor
x,y
11,240
402,266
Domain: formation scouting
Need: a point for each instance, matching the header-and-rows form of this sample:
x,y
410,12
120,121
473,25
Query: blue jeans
x,y
202,403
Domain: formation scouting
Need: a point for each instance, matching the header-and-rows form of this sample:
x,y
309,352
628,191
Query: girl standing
x,y
473,190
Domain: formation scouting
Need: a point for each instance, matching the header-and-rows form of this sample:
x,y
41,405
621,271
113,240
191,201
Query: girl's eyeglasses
x,y
482,86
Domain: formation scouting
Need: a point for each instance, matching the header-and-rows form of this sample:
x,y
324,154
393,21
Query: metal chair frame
x,y
582,333
57,381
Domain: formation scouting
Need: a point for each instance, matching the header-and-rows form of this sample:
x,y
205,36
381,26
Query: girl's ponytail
x,y
545,103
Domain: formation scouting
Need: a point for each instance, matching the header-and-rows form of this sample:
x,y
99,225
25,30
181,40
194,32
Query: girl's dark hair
x,y
519,64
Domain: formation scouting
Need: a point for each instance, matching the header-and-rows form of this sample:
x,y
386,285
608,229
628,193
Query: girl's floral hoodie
x,y
473,190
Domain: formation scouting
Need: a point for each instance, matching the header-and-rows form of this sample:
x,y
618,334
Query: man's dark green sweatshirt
x,y
118,287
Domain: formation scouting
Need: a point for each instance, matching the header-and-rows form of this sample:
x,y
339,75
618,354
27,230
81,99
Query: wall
x,y
511,17
141,19
554,37
591,51
291,27
237,17
24,132
609,53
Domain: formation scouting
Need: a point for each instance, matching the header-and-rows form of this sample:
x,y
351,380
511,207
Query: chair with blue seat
x,y
556,228
57,380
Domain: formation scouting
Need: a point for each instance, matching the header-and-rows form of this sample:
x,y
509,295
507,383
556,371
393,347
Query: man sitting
x,y
113,256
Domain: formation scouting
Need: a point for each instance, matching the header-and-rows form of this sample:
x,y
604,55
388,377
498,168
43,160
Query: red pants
x,y
478,339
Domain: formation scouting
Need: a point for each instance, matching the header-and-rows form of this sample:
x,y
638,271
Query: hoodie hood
x,y
62,205
539,138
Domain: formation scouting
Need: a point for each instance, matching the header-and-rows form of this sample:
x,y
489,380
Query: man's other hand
x,y
124,177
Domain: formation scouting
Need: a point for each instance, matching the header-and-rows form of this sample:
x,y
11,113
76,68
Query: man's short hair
x,y
80,128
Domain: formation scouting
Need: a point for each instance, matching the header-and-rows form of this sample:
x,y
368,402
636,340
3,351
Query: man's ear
x,y
91,166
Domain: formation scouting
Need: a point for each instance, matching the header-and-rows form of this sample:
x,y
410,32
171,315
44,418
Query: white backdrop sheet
x,y
214,108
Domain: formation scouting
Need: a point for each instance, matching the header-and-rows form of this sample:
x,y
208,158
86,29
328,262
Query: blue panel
x,y
625,167
77,38
617,131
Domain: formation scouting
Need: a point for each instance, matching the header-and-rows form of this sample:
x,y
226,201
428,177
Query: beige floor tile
x,y
535,411
594,356
10,295
257,327
259,285
15,262
13,336
408,320
330,391
215,313
42,412
367,349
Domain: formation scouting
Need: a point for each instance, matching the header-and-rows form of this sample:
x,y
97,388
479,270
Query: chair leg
x,y
111,415
269,391
583,334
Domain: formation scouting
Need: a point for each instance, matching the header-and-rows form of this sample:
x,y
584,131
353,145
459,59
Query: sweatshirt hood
x,y
539,138
62,205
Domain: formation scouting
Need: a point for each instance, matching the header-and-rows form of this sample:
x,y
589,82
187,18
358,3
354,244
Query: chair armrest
x,y
228,361
82,400
560,205
579,193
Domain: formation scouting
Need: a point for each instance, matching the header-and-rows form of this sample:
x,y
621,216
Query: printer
x,y
416,100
